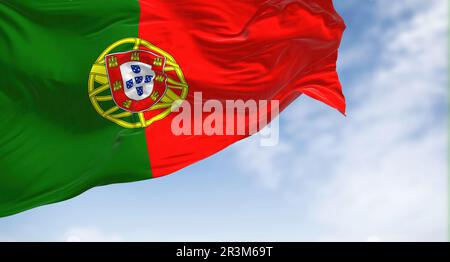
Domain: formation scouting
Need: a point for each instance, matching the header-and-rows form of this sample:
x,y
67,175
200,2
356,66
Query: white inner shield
x,y
137,80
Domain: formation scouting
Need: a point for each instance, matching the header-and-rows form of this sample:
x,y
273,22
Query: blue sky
x,y
379,174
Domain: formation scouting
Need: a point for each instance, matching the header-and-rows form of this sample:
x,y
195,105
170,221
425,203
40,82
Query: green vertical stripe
x,y
53,144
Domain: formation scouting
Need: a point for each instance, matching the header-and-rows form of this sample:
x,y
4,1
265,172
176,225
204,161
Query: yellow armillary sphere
x,y
133,83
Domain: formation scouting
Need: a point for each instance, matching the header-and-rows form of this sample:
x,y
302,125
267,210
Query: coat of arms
x,y
136,87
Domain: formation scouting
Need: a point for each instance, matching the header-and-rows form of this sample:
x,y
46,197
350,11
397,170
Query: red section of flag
x,y
228,50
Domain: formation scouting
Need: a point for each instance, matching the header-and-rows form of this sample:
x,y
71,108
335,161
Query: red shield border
x,y
116,83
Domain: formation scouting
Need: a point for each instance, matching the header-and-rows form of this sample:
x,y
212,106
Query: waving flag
x,y
88,87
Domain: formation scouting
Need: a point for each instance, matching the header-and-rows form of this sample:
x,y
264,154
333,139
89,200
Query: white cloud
x,y
382,171
264,166
89,234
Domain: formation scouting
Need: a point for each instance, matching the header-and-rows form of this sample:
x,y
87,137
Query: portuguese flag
x,y
88,87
